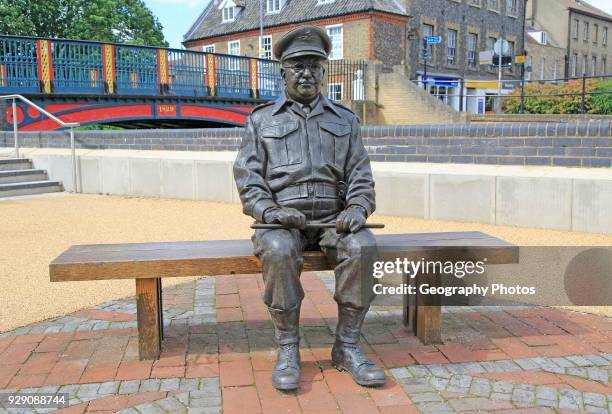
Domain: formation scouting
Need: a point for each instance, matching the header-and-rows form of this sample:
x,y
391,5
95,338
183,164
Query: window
x,y
585,32
575,29
265,47
593,65
233,48
584,65
574,65
604,36
511,53
335,91
472,41
511,7
554,70
274,6
325,1
428,30
528,68
492,41
451,46
595,33
493,4
474,3
335,35
208,49
603,66
229,14
541,68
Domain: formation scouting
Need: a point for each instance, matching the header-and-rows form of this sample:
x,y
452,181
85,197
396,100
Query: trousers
x,y
281,253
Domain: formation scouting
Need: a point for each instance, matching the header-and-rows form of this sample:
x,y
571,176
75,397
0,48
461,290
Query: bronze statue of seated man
x,y
302,160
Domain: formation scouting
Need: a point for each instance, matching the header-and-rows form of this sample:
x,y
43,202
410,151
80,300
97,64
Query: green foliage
x,y
602,103
569,101
122,21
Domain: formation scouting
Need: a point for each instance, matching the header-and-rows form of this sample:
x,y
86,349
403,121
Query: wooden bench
x,y
148,263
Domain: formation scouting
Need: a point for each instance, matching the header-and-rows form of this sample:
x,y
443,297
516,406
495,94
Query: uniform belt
x,y
306,190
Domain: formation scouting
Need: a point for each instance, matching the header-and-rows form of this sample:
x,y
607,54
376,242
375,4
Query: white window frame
x,y
575,26
451,46
541,68
593,65
472,48
225,14
332,54
511,8
585,31
554,70
330,92
211,48
604,36
574,65
494,3
603,65
267,53
595,33
229,47
584,65
274,3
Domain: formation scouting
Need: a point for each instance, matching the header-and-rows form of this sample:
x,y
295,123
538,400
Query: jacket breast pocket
x,y
282,143
335,142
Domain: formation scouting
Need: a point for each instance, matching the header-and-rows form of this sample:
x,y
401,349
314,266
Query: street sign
x,y
485,57
433,39
501,47
519,59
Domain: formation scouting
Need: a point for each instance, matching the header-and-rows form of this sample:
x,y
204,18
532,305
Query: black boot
x,y
286,375
346,354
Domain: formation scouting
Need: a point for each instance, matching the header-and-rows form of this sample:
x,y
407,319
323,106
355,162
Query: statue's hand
x,y
351,220
286,216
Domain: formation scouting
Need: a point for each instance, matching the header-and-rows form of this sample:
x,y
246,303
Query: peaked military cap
x,y
306,40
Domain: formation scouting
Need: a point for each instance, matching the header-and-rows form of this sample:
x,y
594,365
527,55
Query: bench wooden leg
x,y
428,312
409,306
150,319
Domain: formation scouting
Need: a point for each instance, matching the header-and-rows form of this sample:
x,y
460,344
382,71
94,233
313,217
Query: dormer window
x,y
229,13
274,6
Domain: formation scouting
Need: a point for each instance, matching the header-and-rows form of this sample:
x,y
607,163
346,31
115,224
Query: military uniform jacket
x,y
314,162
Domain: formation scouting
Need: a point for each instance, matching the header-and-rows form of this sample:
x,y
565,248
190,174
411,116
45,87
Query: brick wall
x,y
582,144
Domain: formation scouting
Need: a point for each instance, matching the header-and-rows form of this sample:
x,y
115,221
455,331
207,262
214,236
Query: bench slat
x,y
202,258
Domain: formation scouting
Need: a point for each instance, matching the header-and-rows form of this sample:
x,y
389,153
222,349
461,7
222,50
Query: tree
x,y
122,21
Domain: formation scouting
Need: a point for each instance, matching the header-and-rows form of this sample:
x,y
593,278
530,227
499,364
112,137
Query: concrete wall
x,y
544,197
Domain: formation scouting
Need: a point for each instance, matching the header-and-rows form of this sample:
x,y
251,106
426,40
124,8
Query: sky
x,y
177,16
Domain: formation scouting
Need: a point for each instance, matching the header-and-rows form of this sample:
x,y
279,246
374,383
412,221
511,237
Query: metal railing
x,y
63,66
69,125
347,80
517,90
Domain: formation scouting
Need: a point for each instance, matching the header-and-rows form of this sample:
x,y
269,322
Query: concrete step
x,y
10,164
20,176
29,188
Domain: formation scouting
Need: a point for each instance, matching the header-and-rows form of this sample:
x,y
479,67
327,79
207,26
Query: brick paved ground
x,y
219,352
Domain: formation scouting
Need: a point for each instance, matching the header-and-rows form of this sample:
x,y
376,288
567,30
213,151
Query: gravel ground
x,y
35,230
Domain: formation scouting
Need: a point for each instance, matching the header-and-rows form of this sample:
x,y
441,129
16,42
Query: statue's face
x,y
303,76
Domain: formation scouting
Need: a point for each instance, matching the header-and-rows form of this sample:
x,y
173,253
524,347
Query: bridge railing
x,y
59,66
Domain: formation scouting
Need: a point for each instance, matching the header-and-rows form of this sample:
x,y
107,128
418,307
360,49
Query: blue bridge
x,y
131,86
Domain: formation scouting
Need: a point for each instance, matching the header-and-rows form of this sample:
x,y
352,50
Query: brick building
x,y
545,60
359,29
379,32
580,29
466,27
